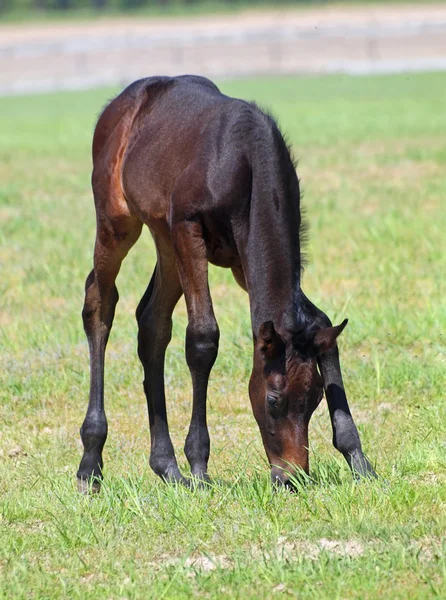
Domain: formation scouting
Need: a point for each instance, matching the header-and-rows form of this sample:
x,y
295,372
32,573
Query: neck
x,y
271,256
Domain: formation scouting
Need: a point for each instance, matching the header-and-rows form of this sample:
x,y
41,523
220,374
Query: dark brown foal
x,y
213,179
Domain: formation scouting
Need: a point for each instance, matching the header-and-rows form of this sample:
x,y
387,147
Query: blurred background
x,y
50,45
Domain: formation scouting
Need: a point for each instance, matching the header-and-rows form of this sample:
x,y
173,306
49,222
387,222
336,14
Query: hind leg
x,y
202,336
154,316
113,241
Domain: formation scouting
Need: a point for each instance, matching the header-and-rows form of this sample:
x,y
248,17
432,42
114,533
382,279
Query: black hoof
x,y
172,475
88,486
180,481
89,474
200,480
360,466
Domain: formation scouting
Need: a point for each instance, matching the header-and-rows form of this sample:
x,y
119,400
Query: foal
x,y
212,178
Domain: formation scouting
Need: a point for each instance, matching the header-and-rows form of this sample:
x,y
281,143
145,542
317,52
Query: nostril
x,y
280,478
272,401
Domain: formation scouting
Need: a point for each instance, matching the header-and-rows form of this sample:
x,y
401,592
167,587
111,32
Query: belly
x,y
223,256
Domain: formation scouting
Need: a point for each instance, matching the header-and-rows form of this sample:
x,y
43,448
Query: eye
x,y
272,400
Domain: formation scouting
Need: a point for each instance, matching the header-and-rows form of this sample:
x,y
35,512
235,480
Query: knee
x,y
99,303
202,344
91,303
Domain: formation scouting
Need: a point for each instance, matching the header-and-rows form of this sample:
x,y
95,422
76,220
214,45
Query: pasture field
x,y
373,167
26,10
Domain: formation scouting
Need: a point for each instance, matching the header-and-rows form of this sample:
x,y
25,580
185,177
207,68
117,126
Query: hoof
x,y
369,475
87,486
360,466
200,481
176,479
171,474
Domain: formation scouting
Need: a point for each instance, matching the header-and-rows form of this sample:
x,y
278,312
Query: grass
x,y
372,162
26,11
17,11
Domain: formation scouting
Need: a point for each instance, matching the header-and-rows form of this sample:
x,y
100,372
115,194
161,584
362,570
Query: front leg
x,y
345,434
202,336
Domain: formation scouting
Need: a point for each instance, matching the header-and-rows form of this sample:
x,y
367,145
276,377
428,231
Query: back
x,y
188,136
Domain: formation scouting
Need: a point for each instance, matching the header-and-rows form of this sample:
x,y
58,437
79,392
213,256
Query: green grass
x,y
25,10
373,167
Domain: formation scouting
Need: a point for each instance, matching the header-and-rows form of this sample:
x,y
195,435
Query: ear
x,y
269,341
325,339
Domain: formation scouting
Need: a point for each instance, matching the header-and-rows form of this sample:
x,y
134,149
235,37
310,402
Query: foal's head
x,y
293,390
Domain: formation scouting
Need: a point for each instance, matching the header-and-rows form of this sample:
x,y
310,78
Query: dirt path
x,y
323,39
